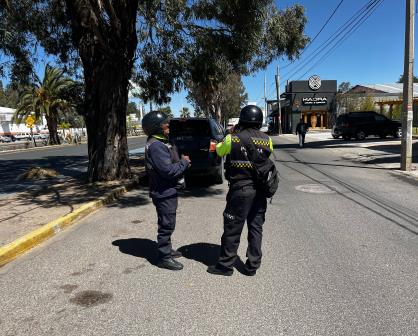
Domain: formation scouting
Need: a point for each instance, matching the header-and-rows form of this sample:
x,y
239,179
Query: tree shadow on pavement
x,y
136,197
66,166
394,148
317,144
138,247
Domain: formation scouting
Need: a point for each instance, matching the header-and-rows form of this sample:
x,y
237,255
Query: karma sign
x,y
314,101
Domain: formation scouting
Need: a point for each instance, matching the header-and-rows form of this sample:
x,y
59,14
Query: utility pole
x,y
265,98
407,113
278,100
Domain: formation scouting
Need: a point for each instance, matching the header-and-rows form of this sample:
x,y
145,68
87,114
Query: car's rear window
x,y
190,128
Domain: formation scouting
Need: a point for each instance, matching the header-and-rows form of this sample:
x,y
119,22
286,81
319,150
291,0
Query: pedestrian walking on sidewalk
x,y
301,130
245,147
165,172
77,138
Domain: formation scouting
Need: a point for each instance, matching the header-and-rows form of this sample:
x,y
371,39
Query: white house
x,y
8,128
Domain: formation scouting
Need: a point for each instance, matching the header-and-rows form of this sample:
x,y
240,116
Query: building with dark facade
x,y
312,100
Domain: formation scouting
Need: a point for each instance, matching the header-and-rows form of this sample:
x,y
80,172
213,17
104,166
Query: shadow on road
x,y
344,143
390,150
204,253
208,255
136,197
138,247
196,186
200,186
66,166
334,164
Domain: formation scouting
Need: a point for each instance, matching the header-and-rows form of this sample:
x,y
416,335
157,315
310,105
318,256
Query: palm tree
x,y
184,112
45,99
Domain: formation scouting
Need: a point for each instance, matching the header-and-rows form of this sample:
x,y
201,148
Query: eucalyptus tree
x,y
224,102
46,99
158,44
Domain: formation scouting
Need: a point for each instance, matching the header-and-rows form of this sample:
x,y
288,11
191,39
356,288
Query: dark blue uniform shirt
x,y
165,172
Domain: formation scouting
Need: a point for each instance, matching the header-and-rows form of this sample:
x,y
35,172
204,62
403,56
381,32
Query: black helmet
x,y
251,115
151,123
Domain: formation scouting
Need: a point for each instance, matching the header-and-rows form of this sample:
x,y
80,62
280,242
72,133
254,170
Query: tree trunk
x,y
52,123
218,113
106,102
107,49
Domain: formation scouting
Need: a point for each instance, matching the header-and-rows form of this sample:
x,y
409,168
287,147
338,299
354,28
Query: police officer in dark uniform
x,y
165,172
243,202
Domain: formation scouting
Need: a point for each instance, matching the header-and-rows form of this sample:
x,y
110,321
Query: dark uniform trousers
x,y
243,204
166,212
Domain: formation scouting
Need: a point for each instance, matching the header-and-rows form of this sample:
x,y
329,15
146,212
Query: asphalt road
x,y
68,160
340,257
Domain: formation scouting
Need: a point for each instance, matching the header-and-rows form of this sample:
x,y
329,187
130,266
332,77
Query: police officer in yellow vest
x,y
243,202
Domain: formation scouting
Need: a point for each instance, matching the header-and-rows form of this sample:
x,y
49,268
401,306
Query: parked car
x,y
5,138
360,125
40,136
23,136
197,138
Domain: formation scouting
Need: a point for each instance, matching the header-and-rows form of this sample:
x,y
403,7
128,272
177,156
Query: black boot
x,y
220,270
170,264
175,254
248,271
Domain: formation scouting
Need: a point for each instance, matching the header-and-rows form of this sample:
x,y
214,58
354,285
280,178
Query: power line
x,y
348,26
344,38
341,30
342,33
320,31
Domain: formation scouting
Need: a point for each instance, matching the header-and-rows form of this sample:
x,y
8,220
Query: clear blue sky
x,y
372,54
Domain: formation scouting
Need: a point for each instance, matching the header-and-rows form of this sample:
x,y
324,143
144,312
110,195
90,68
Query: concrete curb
x,y
21,245
31,149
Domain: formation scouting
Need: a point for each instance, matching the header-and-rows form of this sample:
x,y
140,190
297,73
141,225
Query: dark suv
x,y
359,125
197,138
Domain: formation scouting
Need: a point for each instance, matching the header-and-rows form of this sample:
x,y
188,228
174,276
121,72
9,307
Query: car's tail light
x,y
212,146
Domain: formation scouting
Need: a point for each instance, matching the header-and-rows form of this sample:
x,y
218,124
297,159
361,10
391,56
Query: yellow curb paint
x,y
21,245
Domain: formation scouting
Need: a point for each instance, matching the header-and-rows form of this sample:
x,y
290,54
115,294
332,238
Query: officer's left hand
x,y
187,158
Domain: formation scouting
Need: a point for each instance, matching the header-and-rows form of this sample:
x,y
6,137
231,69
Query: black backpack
x,y
266,176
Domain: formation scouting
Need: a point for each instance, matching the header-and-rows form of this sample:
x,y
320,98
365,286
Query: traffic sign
x,y
30,121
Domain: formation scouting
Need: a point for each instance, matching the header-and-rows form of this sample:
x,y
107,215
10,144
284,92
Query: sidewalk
x,y
23,212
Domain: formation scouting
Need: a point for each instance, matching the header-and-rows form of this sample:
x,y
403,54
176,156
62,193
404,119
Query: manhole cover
x,y
315,189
